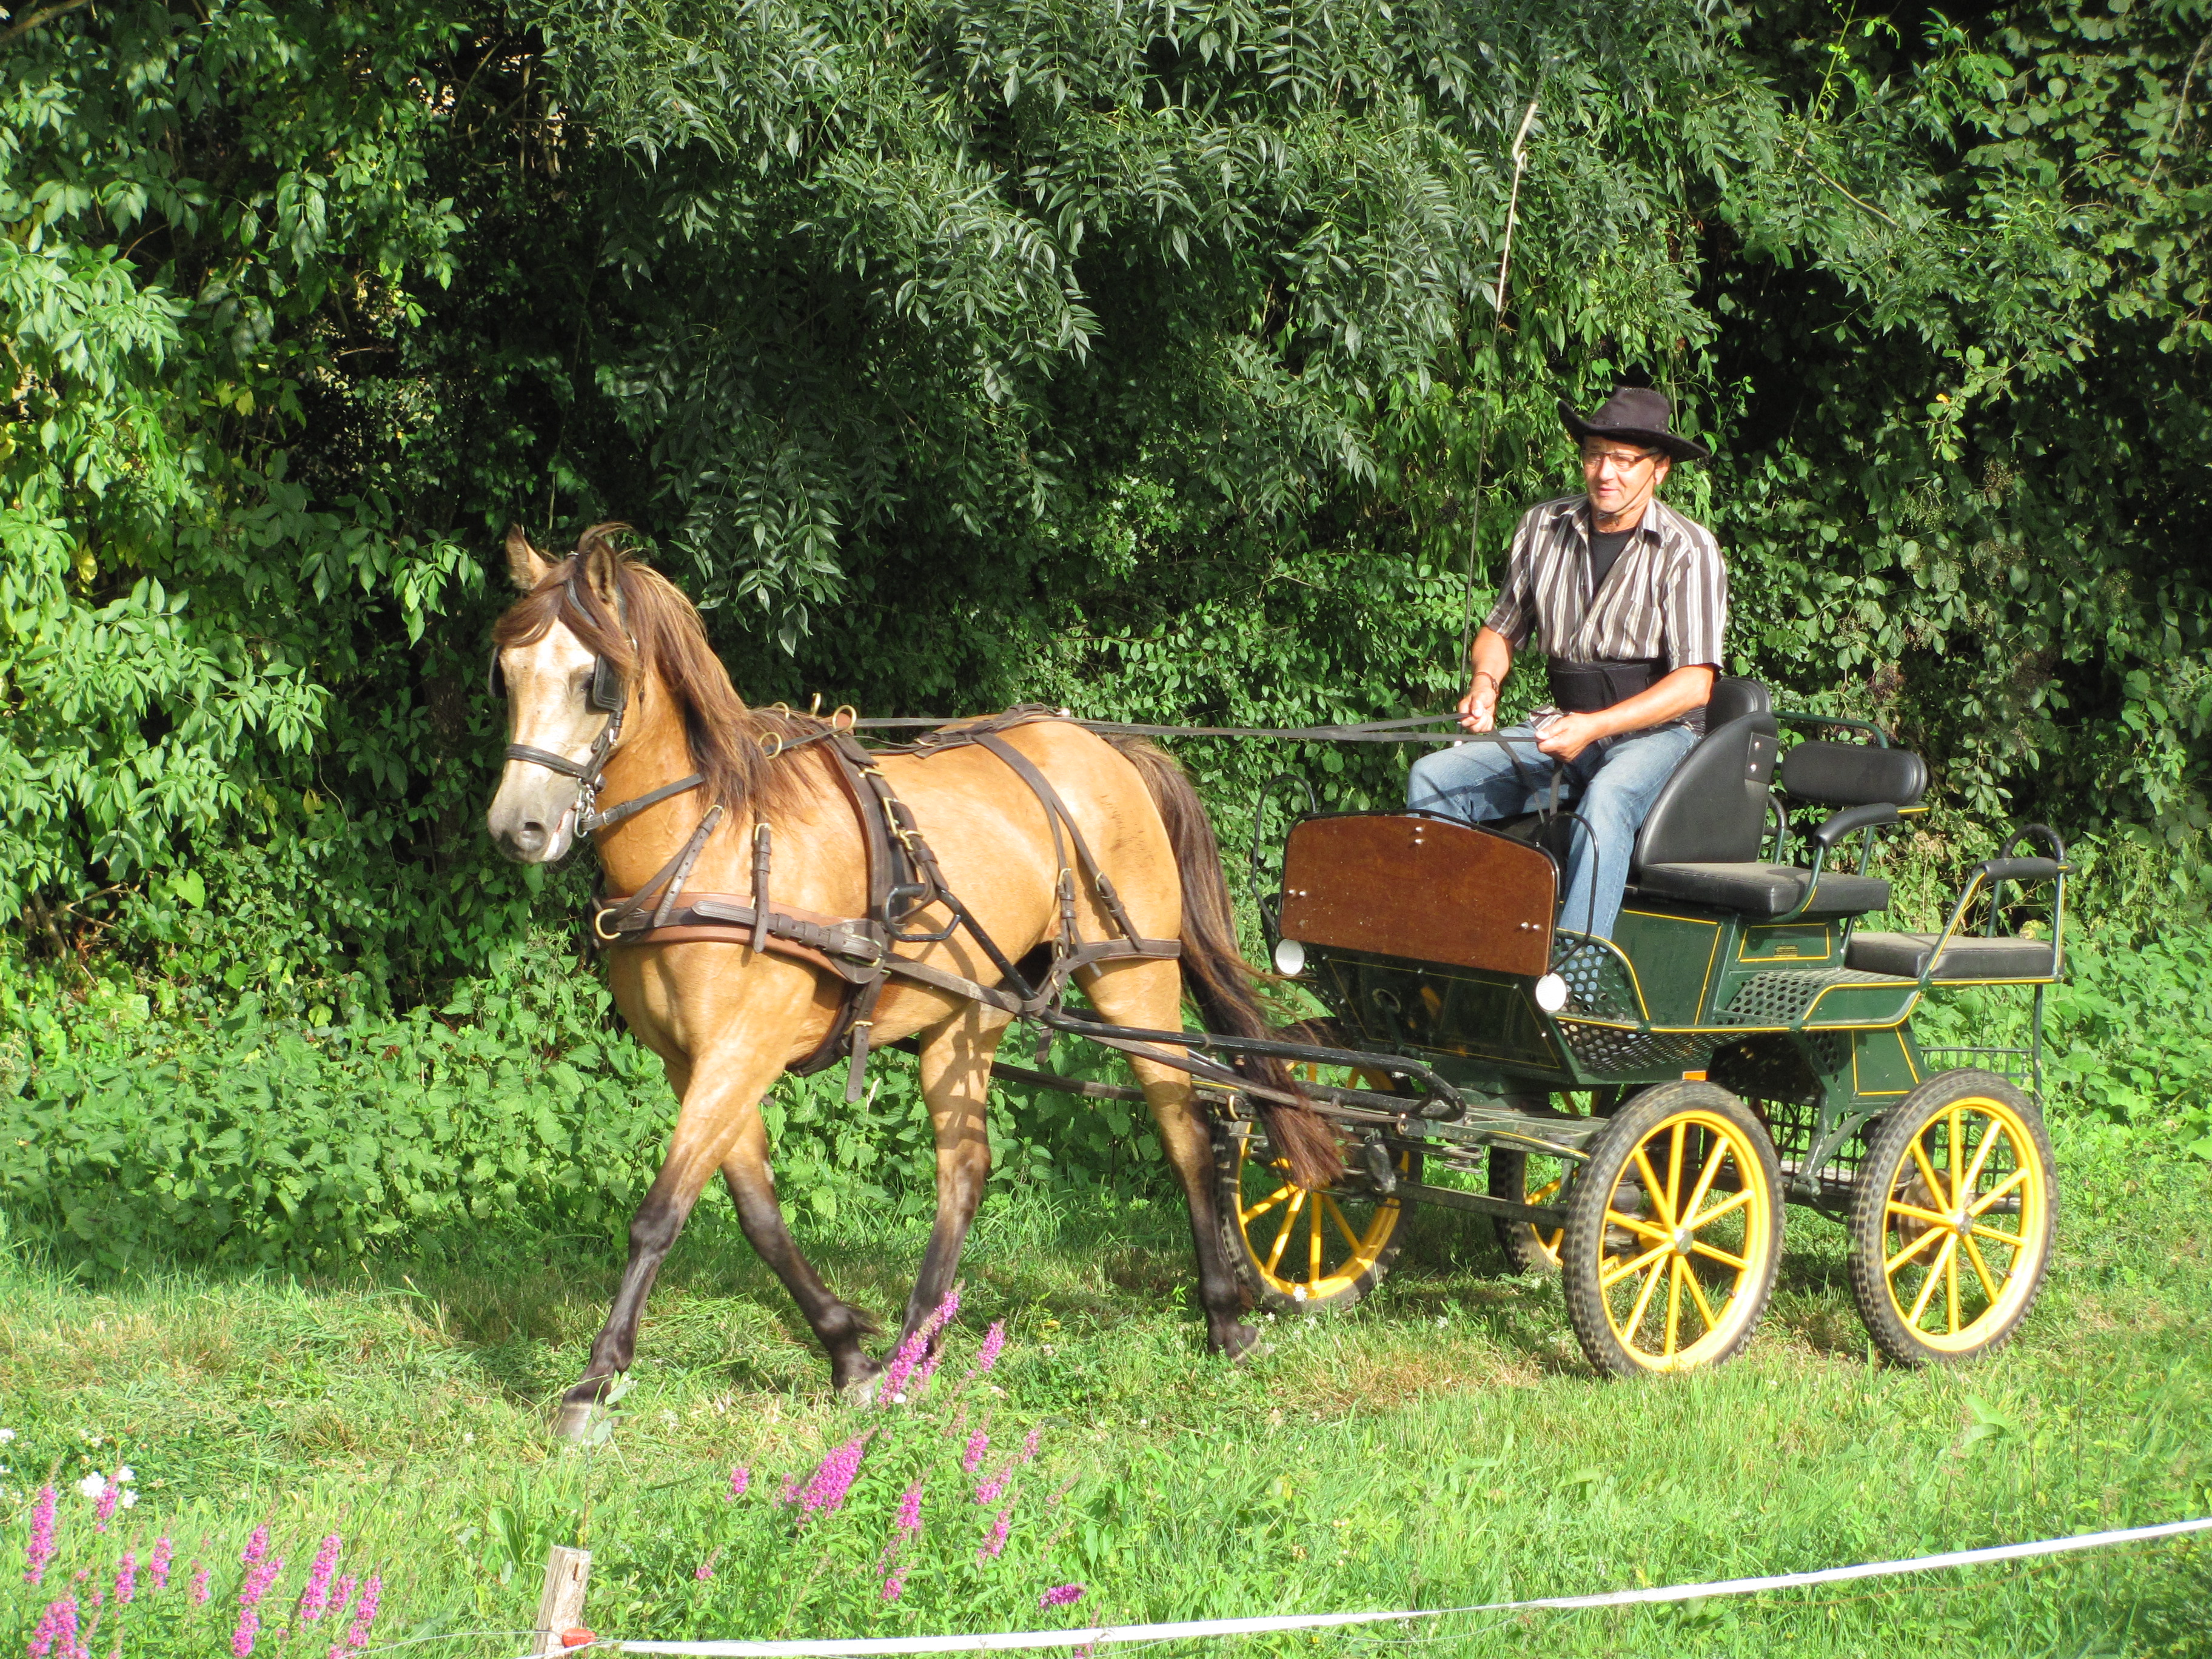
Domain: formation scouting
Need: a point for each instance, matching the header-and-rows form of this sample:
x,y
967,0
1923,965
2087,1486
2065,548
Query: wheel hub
x,y
1681,1241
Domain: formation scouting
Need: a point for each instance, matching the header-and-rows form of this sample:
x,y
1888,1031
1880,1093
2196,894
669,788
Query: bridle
x,y
610,694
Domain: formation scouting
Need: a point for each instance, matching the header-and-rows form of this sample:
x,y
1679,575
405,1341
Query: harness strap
x,y
609,923
1056,813
631,808
548,759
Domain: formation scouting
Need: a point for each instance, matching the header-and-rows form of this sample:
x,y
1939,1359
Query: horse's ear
x,y
602,570
525,566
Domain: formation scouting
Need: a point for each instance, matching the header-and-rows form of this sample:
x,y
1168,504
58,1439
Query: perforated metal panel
x,y
1607,1048
1598,984
1782,996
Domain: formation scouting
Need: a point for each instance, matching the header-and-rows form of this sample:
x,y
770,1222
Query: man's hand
x,y
1479,705
1569,735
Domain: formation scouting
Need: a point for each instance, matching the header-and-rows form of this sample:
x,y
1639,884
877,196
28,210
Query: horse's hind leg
x,y
955,1080
1149,996
836,1324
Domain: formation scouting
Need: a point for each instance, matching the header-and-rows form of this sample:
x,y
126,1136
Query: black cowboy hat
x,y
1636,414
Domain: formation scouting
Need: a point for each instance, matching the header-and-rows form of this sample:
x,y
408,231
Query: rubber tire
x,y
1523,1247
1888,1146
1582,1248
1251,1277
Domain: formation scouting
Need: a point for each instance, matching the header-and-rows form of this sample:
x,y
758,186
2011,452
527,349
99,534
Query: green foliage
x,y
517,1109
1147,360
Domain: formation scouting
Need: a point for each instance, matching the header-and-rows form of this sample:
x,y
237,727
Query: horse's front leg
x,y
955,1080
837,1325
721,1095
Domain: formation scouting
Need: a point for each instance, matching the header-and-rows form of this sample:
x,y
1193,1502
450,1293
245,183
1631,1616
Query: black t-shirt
x,y
1606,547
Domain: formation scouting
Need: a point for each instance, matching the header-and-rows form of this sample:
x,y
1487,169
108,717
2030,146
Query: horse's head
x,y
567,665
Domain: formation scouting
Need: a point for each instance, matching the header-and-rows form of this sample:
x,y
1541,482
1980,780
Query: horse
x,y
613,690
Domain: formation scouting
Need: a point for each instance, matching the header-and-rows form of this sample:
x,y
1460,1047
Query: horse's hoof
x,y
863,1392
1238,1343
582,1422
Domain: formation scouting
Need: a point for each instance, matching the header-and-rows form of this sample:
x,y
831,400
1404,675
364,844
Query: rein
x,y
903,877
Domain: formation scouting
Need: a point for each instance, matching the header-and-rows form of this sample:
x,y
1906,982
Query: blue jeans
x,y
1616,780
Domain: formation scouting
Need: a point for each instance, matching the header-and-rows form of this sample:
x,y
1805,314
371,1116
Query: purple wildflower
x,y
1062,1596
57,1624
705,1570
912,1352
893,1587
1030,1445
994,1340
199,1583
241,1638
909,1515
126,1578
40,1550
996,1539
364,1612
992,1489
740,1477
345,1598
256,1547
833,1478
972,1459
257,1581
159,1564
315,1600
790,1489
110,1496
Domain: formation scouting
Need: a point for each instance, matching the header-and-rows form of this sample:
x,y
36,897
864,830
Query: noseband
x,y
610,696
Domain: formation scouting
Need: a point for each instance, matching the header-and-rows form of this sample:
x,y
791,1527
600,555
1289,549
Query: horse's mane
x,y
659,631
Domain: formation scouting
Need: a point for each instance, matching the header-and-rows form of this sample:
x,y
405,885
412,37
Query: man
x,y
1629,598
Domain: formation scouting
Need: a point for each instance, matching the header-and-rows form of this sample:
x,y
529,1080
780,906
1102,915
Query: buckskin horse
x,y
754,923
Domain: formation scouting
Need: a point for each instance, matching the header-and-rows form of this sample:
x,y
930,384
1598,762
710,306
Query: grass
x,y
1442,1446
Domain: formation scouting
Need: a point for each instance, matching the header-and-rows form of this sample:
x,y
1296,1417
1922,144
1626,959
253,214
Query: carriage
x,y
1636,1115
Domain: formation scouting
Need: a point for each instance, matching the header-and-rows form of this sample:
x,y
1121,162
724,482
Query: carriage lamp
x,y
1290,958
1551,993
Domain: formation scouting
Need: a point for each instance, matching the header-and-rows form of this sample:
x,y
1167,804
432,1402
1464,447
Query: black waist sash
x,y
1583,688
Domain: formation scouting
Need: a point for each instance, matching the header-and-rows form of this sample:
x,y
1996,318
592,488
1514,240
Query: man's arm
x,y
1688,687
1491,660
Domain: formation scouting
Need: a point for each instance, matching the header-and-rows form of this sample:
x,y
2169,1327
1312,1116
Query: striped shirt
x,y
1665,599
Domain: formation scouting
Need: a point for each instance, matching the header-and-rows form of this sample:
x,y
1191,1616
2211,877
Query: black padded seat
x,y
1763,890
1967,956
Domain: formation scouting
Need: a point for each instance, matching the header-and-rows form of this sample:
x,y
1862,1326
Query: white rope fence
x,y
1192,1629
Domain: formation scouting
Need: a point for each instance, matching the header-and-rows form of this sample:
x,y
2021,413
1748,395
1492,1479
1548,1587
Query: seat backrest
x,y
1713,809
1733,698
1853,774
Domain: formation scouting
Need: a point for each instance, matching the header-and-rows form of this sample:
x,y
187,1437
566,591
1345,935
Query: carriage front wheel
x,y
1952,1218
1674,1232
1299,1249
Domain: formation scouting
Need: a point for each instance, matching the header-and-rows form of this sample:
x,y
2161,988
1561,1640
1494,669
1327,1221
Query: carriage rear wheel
x,y
1674,1232
1527,1178
1297,1249
1952,1218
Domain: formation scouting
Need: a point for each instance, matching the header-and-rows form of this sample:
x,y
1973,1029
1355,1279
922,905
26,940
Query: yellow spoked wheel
x,y
1299,1248
1952,1220
1528,1178
1674,1232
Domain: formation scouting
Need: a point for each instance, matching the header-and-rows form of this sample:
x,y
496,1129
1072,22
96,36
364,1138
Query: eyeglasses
x,y
1621,460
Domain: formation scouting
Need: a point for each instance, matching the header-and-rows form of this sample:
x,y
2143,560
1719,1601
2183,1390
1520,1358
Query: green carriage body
x,y
1744,999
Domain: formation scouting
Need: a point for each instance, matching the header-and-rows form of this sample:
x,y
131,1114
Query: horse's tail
x,y
1214,970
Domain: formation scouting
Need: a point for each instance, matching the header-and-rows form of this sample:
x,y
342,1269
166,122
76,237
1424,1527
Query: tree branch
x,y
7,35
1855,200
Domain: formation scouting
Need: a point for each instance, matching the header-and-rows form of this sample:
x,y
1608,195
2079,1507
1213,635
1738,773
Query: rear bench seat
x,y
1966,957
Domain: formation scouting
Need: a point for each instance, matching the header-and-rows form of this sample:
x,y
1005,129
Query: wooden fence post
x,y
561,1603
